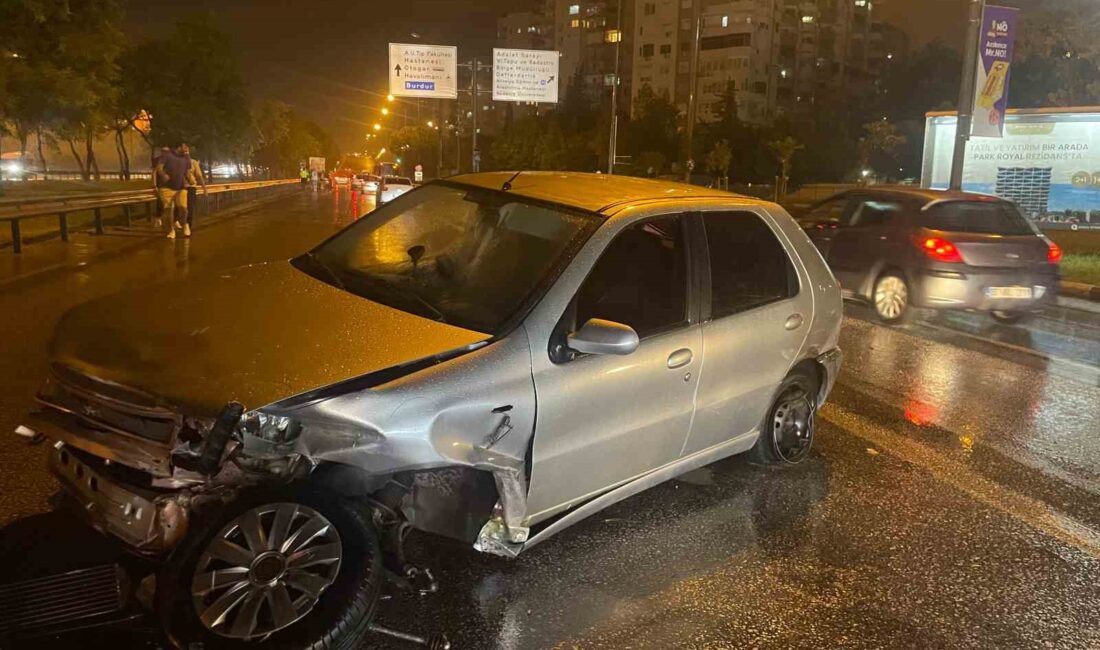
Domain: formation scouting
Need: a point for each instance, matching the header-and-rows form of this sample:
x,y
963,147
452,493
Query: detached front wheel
x,y
274,570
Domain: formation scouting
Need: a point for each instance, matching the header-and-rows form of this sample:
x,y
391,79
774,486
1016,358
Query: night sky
x,y
327,58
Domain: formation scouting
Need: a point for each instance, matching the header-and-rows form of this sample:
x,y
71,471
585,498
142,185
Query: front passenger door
x,y
603,419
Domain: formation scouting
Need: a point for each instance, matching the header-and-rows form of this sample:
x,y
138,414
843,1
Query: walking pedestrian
x,y
157,223
171,172
304,175
195,178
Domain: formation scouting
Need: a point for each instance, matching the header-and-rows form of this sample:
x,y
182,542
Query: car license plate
x,y
1009,292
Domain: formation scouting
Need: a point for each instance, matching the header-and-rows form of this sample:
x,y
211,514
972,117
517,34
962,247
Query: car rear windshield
x,y
985,217
467,256
398,180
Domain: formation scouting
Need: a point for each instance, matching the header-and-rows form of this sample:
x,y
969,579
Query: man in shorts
x,y
171,172
195,178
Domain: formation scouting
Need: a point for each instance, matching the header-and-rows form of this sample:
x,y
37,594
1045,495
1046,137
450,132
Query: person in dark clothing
x,y
156,184
171,172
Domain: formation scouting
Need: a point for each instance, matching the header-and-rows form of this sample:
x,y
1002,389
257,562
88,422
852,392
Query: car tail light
x,y
939,249
1054,252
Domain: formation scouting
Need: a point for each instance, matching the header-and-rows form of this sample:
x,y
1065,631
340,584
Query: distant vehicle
x,y
368,182
342,177
393,187
484,355
908,247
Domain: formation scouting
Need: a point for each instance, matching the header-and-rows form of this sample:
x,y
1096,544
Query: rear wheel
x,y
277,569
1010,317
787,432
891,298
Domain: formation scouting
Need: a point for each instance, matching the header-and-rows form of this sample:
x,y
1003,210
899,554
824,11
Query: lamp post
x,y
966,92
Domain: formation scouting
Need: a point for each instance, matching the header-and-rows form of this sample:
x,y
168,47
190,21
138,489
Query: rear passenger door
x,y
753,328
867,237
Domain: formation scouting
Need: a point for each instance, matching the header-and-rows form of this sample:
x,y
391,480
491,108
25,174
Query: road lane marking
x,y
1025,509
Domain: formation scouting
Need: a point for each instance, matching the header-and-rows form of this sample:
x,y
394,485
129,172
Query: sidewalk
x,y
46,257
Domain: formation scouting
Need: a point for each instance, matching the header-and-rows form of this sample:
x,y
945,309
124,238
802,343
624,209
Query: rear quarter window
x,y
983,217
749,266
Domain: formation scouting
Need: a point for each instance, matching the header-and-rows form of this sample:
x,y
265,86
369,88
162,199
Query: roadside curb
x,y
1081,290
212,220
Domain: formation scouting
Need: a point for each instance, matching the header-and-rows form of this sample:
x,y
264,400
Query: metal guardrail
x,y
15,211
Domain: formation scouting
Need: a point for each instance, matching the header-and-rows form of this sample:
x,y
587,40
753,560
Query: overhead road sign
x,y
525,75
418,70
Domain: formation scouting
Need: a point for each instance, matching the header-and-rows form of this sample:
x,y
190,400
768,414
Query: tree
x,y
1058,57
654,125
60,69
784,150
880,137
718,160
650,163
192,86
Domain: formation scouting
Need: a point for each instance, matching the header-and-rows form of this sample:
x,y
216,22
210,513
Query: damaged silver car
x,y
491,358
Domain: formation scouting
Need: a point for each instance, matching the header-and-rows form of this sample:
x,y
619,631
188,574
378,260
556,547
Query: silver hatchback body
x,y
582,338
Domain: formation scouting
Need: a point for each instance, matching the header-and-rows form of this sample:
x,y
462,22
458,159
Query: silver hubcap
x,y
793,425
891,297
265,570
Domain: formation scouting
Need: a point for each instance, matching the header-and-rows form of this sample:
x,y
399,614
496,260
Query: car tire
x,y
787,432
890,298
1010,317
338,618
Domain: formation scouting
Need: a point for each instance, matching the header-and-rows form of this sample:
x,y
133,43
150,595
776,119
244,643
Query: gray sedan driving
x,y
490,358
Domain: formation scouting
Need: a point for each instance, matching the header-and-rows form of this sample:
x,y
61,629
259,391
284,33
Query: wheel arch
x,y
453,501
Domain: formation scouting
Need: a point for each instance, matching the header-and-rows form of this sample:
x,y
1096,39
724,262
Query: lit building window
x,y
576,22
784,73
861,3
725,21
613,36
576,9
807,19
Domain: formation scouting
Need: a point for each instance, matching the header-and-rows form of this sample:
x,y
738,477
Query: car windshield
x,y
466,256
983,217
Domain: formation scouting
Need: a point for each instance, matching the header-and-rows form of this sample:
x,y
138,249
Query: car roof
x,y
592,192
926,194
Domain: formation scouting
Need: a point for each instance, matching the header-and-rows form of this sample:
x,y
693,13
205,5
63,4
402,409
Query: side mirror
x,y
599,336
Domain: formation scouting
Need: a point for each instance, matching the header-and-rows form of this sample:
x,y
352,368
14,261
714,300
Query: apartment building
x,y
781,56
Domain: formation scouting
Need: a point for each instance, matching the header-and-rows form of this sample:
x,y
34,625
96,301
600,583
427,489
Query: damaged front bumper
x,y
148,521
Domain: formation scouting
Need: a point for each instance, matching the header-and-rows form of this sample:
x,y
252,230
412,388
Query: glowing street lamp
x,y
389,98
385,111
377,126
431,124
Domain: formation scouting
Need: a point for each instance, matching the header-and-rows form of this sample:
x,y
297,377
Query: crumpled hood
x,y
255,334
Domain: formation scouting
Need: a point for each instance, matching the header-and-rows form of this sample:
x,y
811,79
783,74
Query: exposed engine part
x,y
434,642
203,453
219,436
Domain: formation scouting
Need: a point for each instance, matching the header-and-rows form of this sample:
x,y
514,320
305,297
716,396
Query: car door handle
x,y
679,358
794,321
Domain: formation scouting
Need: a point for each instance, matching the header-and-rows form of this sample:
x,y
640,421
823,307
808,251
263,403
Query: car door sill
x,y
707,456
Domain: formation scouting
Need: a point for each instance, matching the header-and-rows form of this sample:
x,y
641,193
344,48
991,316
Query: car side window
x,y
874,212
640,280
748,265
830,210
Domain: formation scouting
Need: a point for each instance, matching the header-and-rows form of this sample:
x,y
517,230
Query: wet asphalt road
x,y
953,498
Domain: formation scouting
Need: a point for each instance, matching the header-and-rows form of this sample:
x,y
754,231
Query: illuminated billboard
x,y
1048,162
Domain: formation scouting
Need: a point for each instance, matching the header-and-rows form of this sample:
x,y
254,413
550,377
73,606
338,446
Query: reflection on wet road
x,y
952,500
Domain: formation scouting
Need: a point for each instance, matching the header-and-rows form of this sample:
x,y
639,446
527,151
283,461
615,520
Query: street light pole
x,y
697,20
474,162
966,92
613,145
